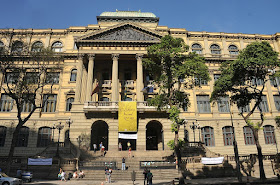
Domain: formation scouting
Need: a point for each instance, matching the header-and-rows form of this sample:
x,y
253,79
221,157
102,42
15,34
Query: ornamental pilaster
x,y
115,77
139,83
90,77
79,78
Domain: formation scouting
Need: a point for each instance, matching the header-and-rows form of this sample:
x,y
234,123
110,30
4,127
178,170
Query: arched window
x,y
69,103
1,46
44,136
57,46
3,131
215,49
228,135
37,46
197,48
208,136
73,76
22,139
233,50
17,47
248,136
269,136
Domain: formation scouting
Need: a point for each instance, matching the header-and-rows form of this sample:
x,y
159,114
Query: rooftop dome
x,y
128,14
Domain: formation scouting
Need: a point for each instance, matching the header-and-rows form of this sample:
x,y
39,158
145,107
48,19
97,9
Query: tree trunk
x,y
236,156
260,158
179,158
12,149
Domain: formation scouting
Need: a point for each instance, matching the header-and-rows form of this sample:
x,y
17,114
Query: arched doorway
x,y
99,133
154,136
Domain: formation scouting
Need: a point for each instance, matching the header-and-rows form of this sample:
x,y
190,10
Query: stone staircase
x,y
94,171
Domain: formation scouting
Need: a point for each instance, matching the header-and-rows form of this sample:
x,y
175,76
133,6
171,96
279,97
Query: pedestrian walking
x,y
145,172
103,151
129,152
106,174
110,175
123,163
150,178
63,174
94,147
120,146
100,146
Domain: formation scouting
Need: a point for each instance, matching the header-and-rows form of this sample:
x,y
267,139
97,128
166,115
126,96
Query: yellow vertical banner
x,y
127,116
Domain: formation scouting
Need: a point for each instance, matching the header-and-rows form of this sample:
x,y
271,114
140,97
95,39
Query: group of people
x,y
62,175
108,174
148,176
101,147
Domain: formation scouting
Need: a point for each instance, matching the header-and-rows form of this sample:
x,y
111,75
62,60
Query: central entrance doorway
x,y
154,136
99,133
125,138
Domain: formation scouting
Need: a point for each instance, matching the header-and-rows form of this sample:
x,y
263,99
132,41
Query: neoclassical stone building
x,y
102,67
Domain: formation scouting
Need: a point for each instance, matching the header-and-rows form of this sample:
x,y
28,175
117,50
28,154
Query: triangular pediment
x,y
123,32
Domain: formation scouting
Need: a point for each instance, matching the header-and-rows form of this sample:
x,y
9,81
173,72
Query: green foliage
x,y
254,62
171,144
277,120
168,63
255,126
174,117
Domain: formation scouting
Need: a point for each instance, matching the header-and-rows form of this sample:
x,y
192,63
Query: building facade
x,y
102,66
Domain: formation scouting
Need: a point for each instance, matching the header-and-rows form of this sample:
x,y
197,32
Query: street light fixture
x,y
193,127
69,122
59,127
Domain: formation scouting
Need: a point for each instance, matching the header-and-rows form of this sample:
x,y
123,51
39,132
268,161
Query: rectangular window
x,y
257,82
50,103
6,103
228,135
248,136
32,78
263,105
203,104
216,77
223,104
11,78
52,78
244,109
28,103
274,81
200,82
269,134
277,101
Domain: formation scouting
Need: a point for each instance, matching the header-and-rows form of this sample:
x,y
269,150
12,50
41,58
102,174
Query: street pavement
x,y
208,181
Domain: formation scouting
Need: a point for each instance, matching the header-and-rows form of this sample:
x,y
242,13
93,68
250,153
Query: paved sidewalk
x,y
209,181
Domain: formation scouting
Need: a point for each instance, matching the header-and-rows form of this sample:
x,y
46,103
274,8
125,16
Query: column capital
x,y
115,56
80,56
139,56
91,56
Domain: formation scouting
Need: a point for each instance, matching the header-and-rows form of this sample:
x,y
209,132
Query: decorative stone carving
x,y
126,34
115,56
139,56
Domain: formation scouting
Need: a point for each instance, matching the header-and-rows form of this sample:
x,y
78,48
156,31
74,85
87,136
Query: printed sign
x,y
127,116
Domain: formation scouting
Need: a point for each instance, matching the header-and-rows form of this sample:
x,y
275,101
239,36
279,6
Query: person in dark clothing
x,y
150,178
145,172
123,163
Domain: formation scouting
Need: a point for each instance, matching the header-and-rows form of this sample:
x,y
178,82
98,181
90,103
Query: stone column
x,y
90,77
140,84
225,49
115,77
270,98
79,79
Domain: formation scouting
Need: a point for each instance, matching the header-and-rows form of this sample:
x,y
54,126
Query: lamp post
x,y
185,135
59,127
69,122
199,128
193,127
53,127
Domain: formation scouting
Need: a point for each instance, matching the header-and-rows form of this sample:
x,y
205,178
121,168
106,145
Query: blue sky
x,y
232,16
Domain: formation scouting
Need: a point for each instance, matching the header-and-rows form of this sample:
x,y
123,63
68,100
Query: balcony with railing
x,y
109,106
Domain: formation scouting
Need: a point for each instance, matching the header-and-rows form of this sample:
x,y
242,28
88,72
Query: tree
x,y
27,81
169,64
245,80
